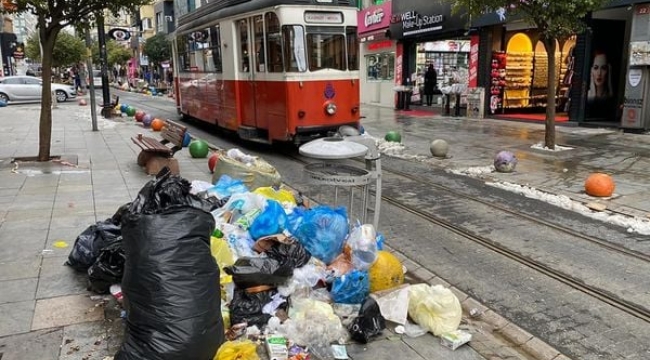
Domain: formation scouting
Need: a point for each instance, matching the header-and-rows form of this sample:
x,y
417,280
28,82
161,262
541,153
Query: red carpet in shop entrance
x,y
531,117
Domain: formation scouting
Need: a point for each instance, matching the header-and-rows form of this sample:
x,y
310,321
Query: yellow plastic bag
x,y
435,308
282,196
237,350
221,252
223,255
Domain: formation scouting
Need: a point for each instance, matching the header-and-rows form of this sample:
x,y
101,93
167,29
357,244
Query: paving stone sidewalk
x,y
45,310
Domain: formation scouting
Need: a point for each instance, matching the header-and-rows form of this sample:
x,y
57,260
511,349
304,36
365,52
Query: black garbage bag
x,y
90,242
117,217
170,286
108,269
248,272
166,191
292,255
247,308
369,323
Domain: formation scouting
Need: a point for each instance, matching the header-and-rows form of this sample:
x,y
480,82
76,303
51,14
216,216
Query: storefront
x,y
427,33
378,54
590,68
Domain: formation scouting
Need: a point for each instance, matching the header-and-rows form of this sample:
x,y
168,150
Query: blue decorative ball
x,y
124,107
187,139
2,103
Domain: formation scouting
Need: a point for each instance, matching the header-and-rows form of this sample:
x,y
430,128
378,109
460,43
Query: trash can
x,y
400,100
407,99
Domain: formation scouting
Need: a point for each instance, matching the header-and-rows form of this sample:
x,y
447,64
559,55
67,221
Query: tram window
x,y
293,38
353,47
182,49
326,51
215,49
243,45
273,43
258,33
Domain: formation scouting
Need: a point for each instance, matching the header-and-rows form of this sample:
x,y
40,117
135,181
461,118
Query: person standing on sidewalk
x,y
430,81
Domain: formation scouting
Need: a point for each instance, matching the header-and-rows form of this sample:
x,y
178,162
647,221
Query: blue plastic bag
x,y
351,288
273,220
321,230
380,241
227,186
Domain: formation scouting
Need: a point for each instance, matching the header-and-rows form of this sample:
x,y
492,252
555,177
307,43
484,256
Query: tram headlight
x,y
330,108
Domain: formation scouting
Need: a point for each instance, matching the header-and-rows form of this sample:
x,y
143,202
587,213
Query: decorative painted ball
x,y
212,162
139,115
146,120
123,107
393,136
187,139
439,148
130,111
3,103
157,124
199,149
599,185
505,161
82,102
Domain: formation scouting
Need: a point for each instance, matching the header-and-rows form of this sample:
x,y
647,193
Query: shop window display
x,y
526,74
449,58
380,67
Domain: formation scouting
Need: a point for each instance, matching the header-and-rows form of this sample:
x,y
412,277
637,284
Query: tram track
x,y
578,284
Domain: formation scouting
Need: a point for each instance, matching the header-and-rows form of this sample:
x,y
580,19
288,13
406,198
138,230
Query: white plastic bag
x,y
393,303
435,308
363,243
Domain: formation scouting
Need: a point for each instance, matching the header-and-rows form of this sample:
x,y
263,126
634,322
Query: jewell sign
x,y
423,18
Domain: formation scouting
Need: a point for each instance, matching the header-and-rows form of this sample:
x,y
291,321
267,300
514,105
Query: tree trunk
x,y
549,138
47,38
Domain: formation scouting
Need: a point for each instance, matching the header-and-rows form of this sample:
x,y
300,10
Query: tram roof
x,y
223,8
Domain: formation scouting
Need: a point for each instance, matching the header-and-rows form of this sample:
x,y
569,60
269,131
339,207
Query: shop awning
x,y
376,35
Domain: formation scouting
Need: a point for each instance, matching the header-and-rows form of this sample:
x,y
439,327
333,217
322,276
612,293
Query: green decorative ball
x,y
393,136
199,149
130,111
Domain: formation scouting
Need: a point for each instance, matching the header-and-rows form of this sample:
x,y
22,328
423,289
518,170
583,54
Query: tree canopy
x,y
555,19
52,16
157,48
68,49
115,53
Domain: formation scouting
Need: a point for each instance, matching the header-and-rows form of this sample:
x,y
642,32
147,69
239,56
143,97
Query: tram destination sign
x,y
323,17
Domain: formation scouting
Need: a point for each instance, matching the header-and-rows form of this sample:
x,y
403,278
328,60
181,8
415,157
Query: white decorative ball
x,y
439,148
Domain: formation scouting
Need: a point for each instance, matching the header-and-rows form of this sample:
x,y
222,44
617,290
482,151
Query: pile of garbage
x,y
216,271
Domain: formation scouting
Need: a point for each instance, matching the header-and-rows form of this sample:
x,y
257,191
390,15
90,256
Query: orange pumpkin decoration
x,y
600,185
157,124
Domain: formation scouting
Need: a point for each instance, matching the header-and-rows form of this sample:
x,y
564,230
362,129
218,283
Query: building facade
x,y
594,75
377,54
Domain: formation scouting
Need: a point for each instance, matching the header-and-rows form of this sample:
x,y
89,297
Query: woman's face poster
x,y
605,69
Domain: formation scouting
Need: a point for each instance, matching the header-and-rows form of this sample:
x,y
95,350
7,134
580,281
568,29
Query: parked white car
x,y
16,89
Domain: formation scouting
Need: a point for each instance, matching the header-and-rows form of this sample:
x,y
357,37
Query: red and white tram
x,y
271,70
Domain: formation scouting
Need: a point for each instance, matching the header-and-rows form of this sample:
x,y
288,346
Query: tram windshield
x,y
320,48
